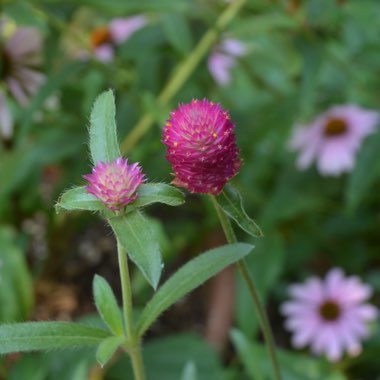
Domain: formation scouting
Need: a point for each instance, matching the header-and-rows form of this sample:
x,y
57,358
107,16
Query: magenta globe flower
x,y
333,138
115,183
201,147
329,315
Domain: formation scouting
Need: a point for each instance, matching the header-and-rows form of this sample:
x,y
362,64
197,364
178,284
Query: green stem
x,y
260,311
183,72
133,343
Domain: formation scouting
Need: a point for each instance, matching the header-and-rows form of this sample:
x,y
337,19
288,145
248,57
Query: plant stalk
x,y
260,311
183,72
133,342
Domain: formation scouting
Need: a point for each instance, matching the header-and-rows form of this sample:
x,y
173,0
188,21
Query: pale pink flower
x,y
115,183
20,54
333,138
329,314
119,30
223,58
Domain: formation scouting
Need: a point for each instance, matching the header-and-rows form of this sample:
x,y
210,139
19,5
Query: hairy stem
x,y
260,311
183,72
133,343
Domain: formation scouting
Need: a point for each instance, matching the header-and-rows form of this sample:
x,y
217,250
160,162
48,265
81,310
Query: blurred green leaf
x,y
293,366
231,202
103,135
16,285
177,32
165,359
45,336
365,173
107,348
135,234
189,277
107,306
189,372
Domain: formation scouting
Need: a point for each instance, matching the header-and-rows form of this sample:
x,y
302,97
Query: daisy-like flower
x,y
104,39
330,314
201,146
20,55
333,138
223,58
115,183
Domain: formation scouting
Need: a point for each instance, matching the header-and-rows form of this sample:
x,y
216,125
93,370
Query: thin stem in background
x,y
183,72
133,343
260,311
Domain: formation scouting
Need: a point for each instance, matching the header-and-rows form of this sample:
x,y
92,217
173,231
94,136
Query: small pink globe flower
x,y
330,314
115,183
333,138
201,146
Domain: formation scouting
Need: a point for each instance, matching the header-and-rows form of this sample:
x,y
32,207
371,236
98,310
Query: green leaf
x,y
32,336
189,277
107,306
189,372
107,348
158,193
135,234
77,198
177,31
103,137
293,366
15,280
165,359
231,202
365,173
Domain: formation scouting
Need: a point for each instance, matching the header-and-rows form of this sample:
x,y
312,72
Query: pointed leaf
x,y
135,234
189,372
77,198
103,137
107,306
231,202
107,348
189,277
158,193
32,336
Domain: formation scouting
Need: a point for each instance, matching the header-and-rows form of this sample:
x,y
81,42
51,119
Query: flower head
x,y
333,138
201,146
223,59
20,54
115,183
329,315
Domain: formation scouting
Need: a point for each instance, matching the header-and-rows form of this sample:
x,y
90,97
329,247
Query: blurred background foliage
x,y
301,58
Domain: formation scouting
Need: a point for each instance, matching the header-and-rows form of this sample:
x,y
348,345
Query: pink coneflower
x,y
20,55
333,138
115,183
329,315
104,39
201,146
223,58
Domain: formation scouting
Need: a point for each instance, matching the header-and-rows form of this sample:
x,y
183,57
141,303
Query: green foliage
x,y
34,336
135,234
231,202
294,366
165,359
107,348
187,278
16,295
107,306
